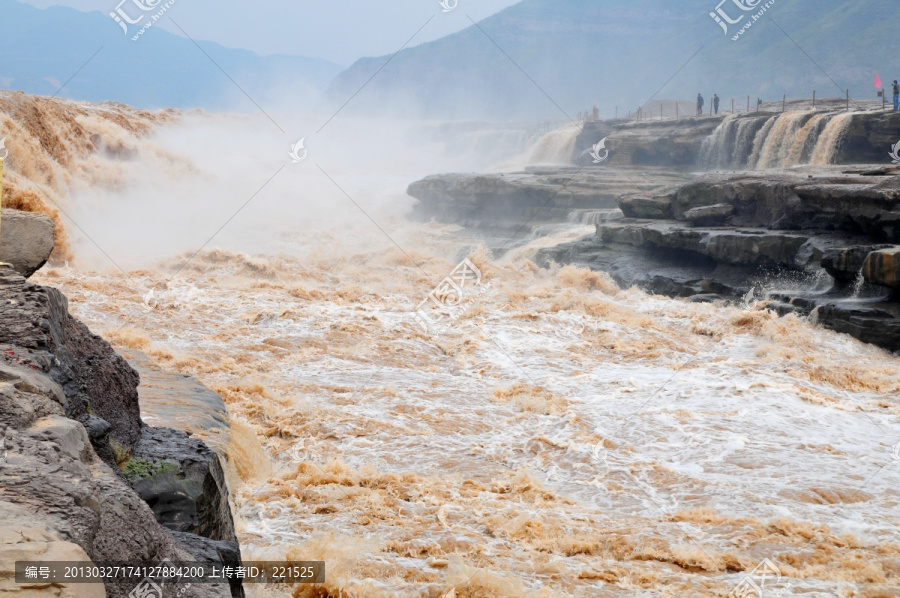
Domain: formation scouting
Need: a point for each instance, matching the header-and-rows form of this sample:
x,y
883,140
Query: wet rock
x,y
645,207
752,247
806,198
183,482
539,195
784,228
872,322
212,551
26,240
674,144
715,214
882,267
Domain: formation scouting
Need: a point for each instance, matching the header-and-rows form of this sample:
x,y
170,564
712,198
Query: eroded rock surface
x,y
63,392
727,235
539,195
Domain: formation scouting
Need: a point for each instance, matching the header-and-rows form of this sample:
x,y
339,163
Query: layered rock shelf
x,y
821,240
537,195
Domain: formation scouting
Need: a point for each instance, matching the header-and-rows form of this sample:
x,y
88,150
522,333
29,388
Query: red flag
x,y
877,81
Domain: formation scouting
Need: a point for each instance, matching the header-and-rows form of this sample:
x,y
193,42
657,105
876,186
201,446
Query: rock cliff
x,y
79,470
817,240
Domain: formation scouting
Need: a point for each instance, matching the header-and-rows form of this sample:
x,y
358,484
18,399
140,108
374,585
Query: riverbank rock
x,y
535,196
183,482
59,498
731,234
882,267
56,492
36,326
26,240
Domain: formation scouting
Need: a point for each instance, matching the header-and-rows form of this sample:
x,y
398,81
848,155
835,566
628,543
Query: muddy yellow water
x,y
560,437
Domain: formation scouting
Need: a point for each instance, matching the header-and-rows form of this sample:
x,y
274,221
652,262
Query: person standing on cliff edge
x,y
716,102
896,96
700,103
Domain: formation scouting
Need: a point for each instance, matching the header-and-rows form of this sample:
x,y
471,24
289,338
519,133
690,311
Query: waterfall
x,y
789,139
829,140
556,147
592,217
760,140
778,144
732,143
805,140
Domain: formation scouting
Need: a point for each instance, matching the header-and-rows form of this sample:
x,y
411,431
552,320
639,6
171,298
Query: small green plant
x,y
139,469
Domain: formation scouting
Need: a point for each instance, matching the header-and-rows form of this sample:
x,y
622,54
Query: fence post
x,y
748,104
848,100
784,102
732,105
814,99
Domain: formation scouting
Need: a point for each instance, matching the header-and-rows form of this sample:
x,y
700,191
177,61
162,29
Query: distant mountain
x,y
41,49
620,52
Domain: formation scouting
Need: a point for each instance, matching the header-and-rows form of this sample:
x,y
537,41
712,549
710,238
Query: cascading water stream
x,y
789,139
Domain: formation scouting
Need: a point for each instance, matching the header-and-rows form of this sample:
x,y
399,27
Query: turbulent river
x,y
560,437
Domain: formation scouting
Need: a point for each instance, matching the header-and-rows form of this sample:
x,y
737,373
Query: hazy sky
x,y
337,30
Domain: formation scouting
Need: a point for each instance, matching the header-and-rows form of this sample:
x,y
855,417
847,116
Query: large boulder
x,y
882,267
26,240
183,482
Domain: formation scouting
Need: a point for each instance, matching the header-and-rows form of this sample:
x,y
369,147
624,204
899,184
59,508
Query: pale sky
x,y
337,30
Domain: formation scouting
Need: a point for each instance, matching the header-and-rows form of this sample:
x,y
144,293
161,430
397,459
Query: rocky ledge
x,y
82,478
534,196
823,240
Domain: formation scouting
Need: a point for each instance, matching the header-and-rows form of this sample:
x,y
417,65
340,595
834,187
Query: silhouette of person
x,y
896,96
716,102
700,103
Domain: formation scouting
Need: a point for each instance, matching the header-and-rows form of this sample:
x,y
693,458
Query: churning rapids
x,y
564,437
